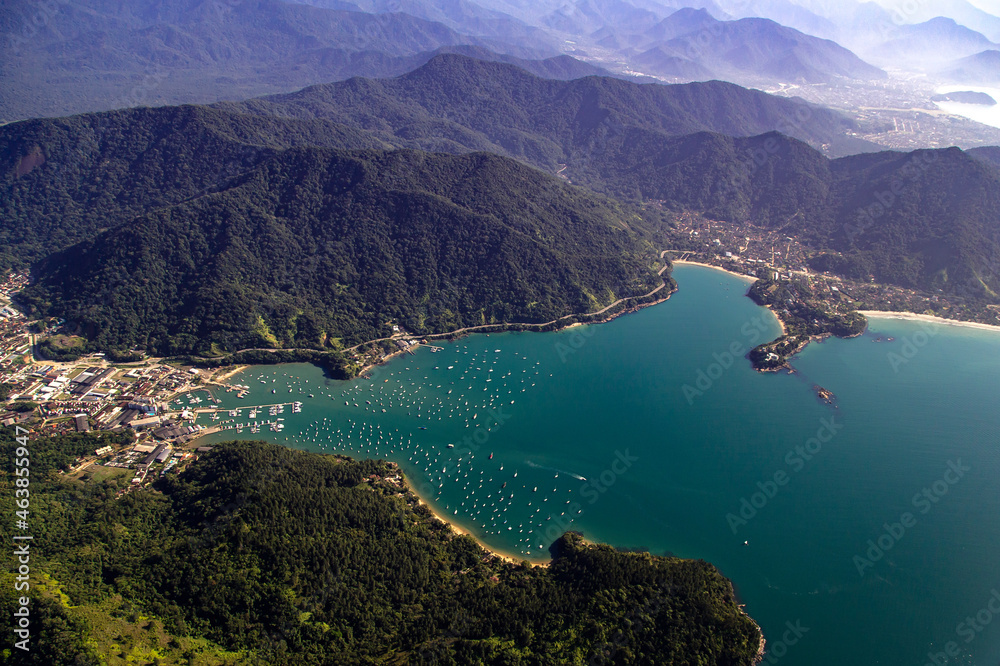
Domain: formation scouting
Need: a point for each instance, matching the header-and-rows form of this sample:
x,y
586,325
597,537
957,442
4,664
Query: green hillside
x,y
317,248
261,554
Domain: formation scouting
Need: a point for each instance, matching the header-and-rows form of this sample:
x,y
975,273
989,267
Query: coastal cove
x,y
590,429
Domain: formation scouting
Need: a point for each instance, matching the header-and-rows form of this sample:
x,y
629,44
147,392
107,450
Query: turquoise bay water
x,y
649,432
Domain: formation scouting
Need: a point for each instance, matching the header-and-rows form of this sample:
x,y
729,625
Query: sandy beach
x,y
912,316
508,557
745,278
221,377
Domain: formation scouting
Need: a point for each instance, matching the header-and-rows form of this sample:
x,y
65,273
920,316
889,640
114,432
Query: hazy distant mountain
x,y
742,50
581,17
982,69
961,11
461,16
665,62
457,103
375,64
785,12
101,54
861,26
927,44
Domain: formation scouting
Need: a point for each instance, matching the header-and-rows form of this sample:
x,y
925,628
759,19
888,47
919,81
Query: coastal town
x,y
757,252
156,403
140,396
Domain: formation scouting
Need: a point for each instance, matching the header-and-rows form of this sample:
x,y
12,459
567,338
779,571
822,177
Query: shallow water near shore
x,y
652,431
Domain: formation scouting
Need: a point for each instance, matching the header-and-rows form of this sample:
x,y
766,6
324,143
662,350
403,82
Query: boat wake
x,y
555,469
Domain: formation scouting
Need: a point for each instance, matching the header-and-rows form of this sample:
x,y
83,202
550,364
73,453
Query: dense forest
x,y
64,180
470,103
336,259
261,554
324,249
927,219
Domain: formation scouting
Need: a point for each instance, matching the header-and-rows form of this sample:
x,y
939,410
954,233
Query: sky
x,y
991,6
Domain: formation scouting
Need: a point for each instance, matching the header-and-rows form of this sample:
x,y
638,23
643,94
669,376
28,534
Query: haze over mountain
x,y
463,16
746,49
785,12
100,54
888,35
925,44
478,105
244,185
981,69
96,55
961,11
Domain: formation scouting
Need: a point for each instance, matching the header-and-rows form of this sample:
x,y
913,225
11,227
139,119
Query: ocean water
x,y
988,115
861,533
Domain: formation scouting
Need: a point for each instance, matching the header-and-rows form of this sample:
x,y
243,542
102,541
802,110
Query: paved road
x,y
470,329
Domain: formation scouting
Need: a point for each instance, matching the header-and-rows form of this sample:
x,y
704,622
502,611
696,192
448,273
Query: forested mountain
x,y
66,179
222,175
317,248
981,69
291,558
750,48
646,142
469,101
463,16
987,154
929,219
63,179
928,44
89,55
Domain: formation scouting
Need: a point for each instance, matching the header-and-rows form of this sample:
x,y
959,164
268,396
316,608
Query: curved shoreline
x,y
746,278
913,316
503,555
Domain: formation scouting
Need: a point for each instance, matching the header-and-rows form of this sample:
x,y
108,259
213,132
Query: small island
x,y
965,97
